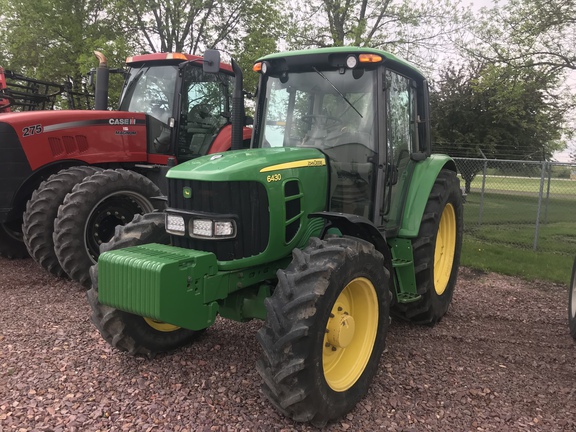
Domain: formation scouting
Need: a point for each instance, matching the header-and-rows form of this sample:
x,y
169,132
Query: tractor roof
x,y
336,57
169,58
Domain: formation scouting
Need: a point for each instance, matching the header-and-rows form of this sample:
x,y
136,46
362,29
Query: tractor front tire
x,y
436,252
11,243
572,302
42,210
91,212
125,331
325,329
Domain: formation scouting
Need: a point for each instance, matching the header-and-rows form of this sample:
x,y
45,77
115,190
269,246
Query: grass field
x,y
500,228
525,185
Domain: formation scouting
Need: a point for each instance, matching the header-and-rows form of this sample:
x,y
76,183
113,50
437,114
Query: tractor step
x,y
408,297
397,262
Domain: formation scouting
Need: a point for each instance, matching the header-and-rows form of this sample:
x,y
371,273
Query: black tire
x,y
572,302
436,258
41,211
91,212
125,331
11,243
303,377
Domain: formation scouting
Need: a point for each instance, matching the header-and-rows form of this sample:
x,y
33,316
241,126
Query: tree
x,y
528,33
243,29
414,30
55,39
191,26
497,112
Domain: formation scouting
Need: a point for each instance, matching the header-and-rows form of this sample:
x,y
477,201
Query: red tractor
x,y
68,178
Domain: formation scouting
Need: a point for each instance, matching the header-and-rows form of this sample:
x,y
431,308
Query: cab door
x,y
401,119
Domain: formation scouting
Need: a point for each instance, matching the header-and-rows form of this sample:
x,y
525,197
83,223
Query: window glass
x,y
320,109
401,142
151,90
205,110
401,116
333,111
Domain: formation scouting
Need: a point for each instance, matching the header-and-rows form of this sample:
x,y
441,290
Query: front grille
x,y
246,200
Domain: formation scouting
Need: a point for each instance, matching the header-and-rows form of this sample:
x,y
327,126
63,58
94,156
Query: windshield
x,y
322,109
150,89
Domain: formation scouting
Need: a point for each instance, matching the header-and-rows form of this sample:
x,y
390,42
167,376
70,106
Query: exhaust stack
x,y
102,75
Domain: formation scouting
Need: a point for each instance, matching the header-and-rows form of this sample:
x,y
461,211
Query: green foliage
x,y
192,26
528,34
482,106
496,112
54,39
416,31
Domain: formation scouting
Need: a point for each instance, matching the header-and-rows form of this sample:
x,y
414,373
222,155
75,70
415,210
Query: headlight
x,y
175,225
201,228
216,229
223,228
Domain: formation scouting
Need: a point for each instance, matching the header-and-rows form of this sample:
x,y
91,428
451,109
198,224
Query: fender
x,y
357,226
223,140
423,178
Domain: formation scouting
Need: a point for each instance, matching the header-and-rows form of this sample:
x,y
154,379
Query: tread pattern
x,y
41,211
431,308
70,243
122,330
294,329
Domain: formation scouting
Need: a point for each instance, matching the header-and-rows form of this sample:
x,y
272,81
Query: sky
x,y
563,156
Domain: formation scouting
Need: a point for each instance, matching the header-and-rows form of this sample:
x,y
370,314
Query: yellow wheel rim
x,y
160,325
350,334
445,249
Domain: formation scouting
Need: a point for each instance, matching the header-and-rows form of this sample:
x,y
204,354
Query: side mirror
x,y
91,74
211,62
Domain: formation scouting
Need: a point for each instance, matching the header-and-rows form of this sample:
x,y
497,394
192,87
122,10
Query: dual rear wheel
x,y
76,210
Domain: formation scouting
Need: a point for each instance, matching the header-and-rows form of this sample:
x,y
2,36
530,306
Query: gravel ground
x,y
501,360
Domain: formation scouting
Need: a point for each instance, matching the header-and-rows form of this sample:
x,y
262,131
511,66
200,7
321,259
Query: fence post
x,y
549,171
482,192
543,173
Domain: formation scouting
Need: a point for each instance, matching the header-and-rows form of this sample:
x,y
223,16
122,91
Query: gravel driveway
x,y
501,360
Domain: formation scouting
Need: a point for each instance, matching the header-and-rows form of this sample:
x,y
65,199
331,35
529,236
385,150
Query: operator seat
x,y
201,127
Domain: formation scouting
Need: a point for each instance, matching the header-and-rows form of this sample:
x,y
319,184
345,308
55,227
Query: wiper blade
x,y
338,91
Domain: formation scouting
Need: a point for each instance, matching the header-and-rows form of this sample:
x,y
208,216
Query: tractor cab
x,y
186,107
364,111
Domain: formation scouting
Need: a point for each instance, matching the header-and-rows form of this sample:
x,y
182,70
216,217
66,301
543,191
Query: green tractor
x,y
337,217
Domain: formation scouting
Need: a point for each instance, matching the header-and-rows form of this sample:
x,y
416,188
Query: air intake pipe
x,y
238,113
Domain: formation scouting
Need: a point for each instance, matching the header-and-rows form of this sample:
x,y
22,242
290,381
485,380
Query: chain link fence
x,y
529,205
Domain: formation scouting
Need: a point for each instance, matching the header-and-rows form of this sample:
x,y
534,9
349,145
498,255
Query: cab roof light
x,y
176,56
257,67
370,58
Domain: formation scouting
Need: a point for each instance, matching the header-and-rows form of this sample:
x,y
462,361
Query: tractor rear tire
x,y
91,212
436,252
11,244
125,331
41,211
325,329
572,302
